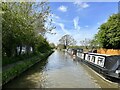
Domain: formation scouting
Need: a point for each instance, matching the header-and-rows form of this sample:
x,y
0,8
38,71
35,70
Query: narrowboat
x,y
107,65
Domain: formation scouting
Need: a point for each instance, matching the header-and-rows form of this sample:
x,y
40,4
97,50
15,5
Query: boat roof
x,y
100,54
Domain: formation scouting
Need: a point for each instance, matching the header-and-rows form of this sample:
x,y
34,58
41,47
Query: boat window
x,y
88,57
93,58
100,61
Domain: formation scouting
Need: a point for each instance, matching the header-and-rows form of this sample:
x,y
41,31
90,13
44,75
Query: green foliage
x,y
10,60
22,24
21,67
109,33
61,46
52,45
94,44
43,46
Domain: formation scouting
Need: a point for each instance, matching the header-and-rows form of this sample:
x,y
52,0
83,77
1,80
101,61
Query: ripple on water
x,y
59,71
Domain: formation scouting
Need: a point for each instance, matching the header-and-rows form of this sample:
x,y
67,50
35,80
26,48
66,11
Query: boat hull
x,y
107,68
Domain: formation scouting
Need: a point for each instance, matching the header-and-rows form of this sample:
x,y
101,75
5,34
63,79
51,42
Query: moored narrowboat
x,y
107,65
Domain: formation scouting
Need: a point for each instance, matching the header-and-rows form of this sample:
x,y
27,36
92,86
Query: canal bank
x,y
59,71
12,71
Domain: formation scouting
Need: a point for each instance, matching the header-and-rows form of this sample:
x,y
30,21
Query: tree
x,y
67,40
94,43
22,24
60,46
52,45
16,31
85,43
42,45
109,33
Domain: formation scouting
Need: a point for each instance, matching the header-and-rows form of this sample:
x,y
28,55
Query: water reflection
x,y
59,71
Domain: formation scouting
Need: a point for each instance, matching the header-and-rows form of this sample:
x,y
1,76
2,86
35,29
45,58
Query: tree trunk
x,y
20,50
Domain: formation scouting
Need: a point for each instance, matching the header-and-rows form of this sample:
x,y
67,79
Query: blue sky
x,y
79,19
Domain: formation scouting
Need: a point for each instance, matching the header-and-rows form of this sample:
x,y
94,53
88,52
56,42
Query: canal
x,y
60,71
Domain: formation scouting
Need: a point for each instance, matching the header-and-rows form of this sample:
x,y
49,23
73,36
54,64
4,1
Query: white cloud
x,y
63,8
76,25
55,16
77,35
63,28
54,38
85,33
81,4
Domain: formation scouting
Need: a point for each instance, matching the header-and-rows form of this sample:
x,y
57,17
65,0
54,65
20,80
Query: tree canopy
x,y
108,35
67,40
24,25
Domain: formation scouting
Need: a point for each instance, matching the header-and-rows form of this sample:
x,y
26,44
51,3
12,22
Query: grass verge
x,y
12,72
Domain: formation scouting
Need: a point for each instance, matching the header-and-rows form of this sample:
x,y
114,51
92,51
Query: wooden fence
x,y
109,51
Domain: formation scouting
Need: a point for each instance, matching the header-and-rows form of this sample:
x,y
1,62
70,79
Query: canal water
x,y
60,70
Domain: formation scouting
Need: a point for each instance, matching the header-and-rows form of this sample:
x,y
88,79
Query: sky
x,y
79,19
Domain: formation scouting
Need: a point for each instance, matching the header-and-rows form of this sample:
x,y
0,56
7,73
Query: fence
x,y
109,51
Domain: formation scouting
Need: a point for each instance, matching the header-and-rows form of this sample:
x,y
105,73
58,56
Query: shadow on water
x,y
35,76
115,80
60,70
99,79
25,80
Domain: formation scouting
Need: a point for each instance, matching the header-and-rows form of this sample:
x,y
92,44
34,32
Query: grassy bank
x,y
9,60
12,72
